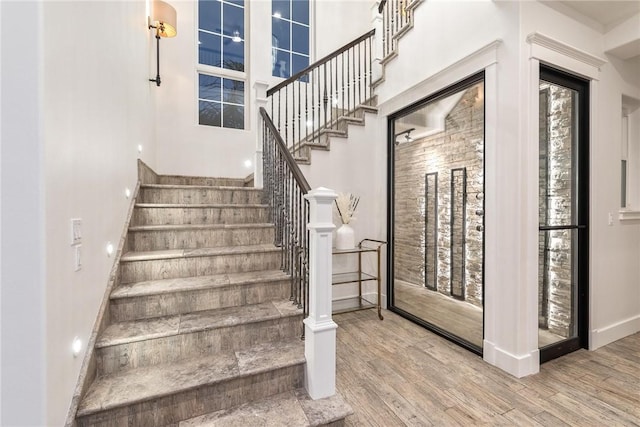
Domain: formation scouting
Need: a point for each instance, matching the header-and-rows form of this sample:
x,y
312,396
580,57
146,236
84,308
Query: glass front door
x,y
563,213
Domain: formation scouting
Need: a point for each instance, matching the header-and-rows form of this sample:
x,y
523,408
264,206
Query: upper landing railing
x,y
311,101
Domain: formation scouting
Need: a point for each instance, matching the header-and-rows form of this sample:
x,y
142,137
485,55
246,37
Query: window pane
x,y
281,7
233,116
233,58
233,91
209,13
210,113
282,66
281,34
299,63
209,49
300,39
300,11
209,87
238,2
233,20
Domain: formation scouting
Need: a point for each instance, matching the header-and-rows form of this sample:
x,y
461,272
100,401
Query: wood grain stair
x,y
200,320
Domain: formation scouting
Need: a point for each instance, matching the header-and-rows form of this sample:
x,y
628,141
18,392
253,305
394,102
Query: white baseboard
x,y
607,335
518,366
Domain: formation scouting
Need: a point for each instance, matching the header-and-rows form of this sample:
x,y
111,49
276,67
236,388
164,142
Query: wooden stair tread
x,y
199,187
293,408
151,382
146,329
165,286
200,252
180,227
201,206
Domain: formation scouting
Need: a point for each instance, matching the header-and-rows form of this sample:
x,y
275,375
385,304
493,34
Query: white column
x,y
260,88
320,329
376,22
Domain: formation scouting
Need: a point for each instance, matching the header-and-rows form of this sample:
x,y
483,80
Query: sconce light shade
x,y
164,22
165,15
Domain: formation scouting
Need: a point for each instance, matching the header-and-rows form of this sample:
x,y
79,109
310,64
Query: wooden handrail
x,y
324,60
295,169
381,5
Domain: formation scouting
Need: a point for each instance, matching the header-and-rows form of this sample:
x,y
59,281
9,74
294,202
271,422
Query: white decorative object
x,y
345,237
346,203
320,329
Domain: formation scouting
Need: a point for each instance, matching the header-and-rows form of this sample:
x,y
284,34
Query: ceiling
x,y
606,13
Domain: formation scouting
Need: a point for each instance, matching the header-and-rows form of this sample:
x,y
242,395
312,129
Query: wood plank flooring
x,y
458,317
395,373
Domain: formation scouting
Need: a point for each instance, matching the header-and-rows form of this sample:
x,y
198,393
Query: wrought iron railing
x,y
312,101
396,18
284,187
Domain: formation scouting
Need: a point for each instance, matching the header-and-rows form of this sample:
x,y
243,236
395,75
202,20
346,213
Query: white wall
x,y
80,105
184,147
365,178
97,104
23,269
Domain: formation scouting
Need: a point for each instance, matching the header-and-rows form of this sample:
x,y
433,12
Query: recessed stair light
x,y
76,346
109,248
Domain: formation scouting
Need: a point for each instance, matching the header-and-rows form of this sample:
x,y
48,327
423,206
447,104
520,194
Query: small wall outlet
x,y
77,258
610,219
76,231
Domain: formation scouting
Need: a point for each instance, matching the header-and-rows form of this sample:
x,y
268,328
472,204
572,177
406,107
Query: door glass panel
x,y
557,277
438,214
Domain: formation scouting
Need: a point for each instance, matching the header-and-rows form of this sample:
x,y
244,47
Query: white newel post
x,y
376,21
320,329
260,88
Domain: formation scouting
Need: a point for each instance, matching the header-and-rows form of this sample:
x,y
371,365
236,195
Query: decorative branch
x,y
346,203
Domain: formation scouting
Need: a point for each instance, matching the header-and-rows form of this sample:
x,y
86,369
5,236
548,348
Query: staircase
x,y
200,329
322,101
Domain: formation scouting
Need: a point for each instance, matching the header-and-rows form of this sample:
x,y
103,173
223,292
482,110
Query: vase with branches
x,y
346,204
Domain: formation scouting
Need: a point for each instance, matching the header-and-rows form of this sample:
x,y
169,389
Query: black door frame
x,y
581,86
456,87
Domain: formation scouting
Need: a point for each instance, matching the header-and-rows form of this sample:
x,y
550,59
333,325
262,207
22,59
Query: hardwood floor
x,y
396,373
458,317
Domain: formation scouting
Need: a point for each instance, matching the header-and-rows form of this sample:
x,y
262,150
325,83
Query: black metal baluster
x,y
359,75
286,116
325,98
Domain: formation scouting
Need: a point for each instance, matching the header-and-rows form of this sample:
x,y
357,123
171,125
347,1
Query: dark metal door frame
x,y
581,86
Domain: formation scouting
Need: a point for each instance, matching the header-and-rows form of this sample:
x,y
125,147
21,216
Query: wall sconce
x,y
164,22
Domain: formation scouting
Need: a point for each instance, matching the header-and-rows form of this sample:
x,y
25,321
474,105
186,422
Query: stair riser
x,y
153,240
125,309
184,405
138,271
173,348
199,196
196,180
177,216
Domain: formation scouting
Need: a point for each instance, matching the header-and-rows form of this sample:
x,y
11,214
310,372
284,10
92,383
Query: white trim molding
x,y
603,336
629,215
555,52
517,365
468,65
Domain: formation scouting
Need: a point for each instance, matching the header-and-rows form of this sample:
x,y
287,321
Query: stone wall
x,y
556,208
460,145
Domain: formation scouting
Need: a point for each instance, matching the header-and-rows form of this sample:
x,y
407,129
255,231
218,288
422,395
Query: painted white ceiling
x,y
607,13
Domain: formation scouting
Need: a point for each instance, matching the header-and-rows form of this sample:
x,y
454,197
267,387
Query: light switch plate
x,y
77,258
76,231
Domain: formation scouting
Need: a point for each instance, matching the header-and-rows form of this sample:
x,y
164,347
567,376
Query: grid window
x,y
290,38
221,34
221,101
